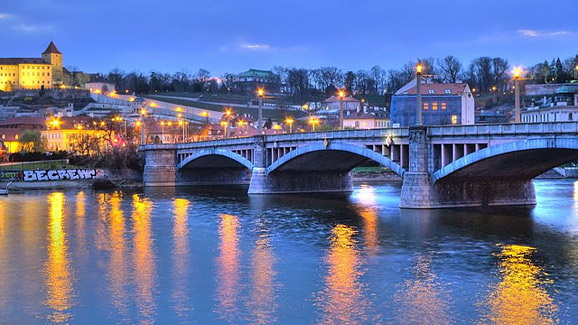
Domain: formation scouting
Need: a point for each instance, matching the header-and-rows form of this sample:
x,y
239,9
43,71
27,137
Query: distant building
x,y
334,103
561,107
442,104
32,73
99,87
487,117
249,81
366,120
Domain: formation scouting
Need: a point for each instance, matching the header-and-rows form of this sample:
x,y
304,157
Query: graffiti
x,y
58,175
11,175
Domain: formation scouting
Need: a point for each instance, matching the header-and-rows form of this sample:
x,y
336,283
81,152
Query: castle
x,y
32,73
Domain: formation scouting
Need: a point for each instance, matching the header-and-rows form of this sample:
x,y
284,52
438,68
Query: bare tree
x,y
450,69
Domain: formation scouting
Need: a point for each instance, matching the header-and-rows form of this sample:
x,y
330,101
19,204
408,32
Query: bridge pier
x,y
419,191
160,167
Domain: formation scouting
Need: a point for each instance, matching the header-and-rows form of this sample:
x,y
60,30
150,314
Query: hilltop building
x,y
561,107
247,82
33,73
442,104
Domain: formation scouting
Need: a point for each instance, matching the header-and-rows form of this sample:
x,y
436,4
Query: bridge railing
x,y
504,129
340,134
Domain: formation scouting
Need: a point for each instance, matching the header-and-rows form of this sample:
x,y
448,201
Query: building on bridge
x,y
442,104
366,120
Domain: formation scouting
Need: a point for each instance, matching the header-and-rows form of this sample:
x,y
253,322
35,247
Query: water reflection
x,y
262,304
228,268
58,272
342,300
180,293
422,299
80,222
144,259
521,296
117,268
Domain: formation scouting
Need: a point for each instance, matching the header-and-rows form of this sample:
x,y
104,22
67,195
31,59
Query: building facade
x,y
249,81
32,73
442,104
562,106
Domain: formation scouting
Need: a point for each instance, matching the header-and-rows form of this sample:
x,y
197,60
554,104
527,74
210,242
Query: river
x,y
214,256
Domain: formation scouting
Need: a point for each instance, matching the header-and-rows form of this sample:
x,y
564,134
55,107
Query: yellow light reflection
x,y
262,304
228,268
58,273
117,269
80,213
422,298
144,260
180,258
342,301
521,297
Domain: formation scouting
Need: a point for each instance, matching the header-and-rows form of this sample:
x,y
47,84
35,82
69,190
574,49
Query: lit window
x,y
434,106
454,119
431,91
444,105
425,105
448,91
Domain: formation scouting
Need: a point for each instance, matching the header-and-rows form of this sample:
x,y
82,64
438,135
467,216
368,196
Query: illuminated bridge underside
x,y
441,166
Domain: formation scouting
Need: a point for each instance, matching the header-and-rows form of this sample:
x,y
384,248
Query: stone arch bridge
x,y
445,166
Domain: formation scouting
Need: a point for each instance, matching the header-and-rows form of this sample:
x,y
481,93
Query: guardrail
x,y
504,129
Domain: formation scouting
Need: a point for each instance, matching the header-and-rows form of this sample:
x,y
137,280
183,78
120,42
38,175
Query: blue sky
x,y
233,35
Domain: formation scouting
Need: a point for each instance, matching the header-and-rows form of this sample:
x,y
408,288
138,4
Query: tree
x,y
380,77
349,81
450,69
298,81
32,141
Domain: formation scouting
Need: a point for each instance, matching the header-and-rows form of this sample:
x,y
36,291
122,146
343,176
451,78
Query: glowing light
x,y
341,94
521,296
228,264
180,260
204,113
131,99
517,73
58,273
260,92
153,104
179,109
143,112
419,68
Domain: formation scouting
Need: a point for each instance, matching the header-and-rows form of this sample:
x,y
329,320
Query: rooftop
x,y
257,73
439,89
15,61
51,49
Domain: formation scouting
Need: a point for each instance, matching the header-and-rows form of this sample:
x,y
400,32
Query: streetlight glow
x,y
341,93
517,73
419,68
260,92
290,121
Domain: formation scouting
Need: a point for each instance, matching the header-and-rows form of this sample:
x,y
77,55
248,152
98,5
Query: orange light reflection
x,y
228,268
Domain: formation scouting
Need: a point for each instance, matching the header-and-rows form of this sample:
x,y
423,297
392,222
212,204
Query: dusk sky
x,y
232,36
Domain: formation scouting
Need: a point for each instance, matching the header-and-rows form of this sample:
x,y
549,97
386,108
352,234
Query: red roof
x,y
51,49
9,135
439,89
24,122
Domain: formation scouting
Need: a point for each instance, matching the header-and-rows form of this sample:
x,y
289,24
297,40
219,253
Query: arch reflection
x,y
342,301
58,277
262,304
422,298
521,296
180,293
228,268
143,258
117,268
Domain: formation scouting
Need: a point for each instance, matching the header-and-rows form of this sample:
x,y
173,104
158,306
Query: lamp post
x,y
341,95
517,76
143,113
260,93
313,121
181,123
418,72
225,124
290,121
163,129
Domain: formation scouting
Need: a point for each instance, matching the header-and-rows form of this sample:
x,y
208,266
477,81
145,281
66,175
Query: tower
x,y
53,56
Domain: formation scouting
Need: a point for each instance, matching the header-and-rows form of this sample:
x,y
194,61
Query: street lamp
x,y
313,121
225,124
517,77
418,73
290,121
163,129
260,94
143,113
181,123
341,94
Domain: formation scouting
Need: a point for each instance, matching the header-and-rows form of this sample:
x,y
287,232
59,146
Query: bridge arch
x,y
322,148
226,156
524,159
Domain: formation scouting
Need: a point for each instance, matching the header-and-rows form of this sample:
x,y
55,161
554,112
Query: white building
x,y
349,103
563,106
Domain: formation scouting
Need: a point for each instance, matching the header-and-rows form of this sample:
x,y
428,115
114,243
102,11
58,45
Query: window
x,y
431,91
454,119
425,105
434,106
448,91
444,105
